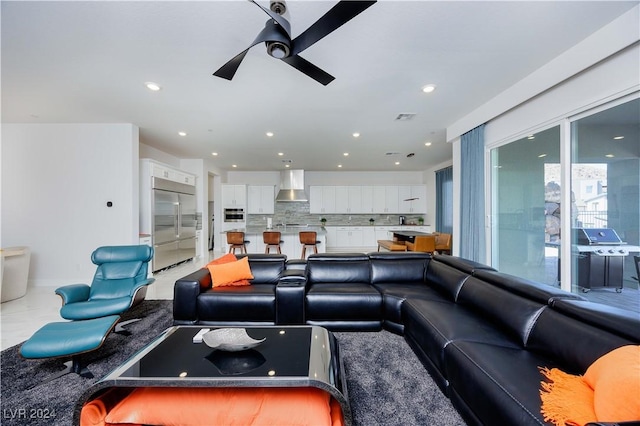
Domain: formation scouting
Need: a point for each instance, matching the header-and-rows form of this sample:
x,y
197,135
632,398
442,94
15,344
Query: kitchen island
x,y
289,235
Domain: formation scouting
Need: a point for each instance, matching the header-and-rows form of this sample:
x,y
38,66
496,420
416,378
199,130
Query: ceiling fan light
x,y
278,50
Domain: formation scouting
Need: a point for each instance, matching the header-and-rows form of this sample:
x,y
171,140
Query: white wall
x,y
615,76
56,182
609,40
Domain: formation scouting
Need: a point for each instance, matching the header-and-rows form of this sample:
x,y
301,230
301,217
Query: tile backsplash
x,y
298,212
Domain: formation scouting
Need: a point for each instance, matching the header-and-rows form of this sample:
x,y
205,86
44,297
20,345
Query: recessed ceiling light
x,y
609,155
346,154
542,155
397,163
339,166
427,144
214,154
617,138
356,135
531,137
234,165
269,134
154,87
287,165
429,88
182,133
281,154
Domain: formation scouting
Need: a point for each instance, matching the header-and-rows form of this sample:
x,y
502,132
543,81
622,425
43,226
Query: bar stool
x,y
272,239
236,240
308,239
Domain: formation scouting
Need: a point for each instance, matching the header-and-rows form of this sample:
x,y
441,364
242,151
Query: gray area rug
x,y
387,383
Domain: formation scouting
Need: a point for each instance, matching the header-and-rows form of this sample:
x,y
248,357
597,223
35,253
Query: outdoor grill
x,y
601,255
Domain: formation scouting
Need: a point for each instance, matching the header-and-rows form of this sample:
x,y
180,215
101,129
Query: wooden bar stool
x,y
271,239
236,241
308,239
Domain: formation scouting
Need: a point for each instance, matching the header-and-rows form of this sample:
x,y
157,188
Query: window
x,y
605,181
526,206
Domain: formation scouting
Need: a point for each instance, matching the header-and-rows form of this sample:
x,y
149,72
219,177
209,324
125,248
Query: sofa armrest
x,y
290,293
74,293
185,295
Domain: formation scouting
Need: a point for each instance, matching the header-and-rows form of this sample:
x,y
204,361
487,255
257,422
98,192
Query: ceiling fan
x,y
276,34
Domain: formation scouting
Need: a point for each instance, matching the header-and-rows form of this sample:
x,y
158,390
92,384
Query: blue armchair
x,y
119,283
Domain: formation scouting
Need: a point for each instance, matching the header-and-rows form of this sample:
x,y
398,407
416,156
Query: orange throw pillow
x,y
231,273
608,391
229,257
615,380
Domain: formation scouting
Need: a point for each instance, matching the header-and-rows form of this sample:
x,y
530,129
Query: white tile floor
x,y
20,318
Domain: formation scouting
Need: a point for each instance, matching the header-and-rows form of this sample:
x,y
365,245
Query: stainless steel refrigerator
x,y
174,222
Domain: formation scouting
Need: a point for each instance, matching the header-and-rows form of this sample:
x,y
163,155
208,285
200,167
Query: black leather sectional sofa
x,y
481,334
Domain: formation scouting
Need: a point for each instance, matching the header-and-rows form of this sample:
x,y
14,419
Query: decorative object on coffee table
x,y
230,339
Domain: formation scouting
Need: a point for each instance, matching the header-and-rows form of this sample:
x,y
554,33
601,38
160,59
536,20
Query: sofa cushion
x,y
393,295
236,304
575,345
343,301
403,268
446,279
511,313
526,288
618,321
435,324
338,268
465,265
266,268
498,384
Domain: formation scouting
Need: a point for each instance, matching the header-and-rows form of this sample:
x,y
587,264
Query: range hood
x,y
291,187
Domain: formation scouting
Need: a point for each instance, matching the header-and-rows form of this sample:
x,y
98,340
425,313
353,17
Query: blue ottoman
x,y
63,339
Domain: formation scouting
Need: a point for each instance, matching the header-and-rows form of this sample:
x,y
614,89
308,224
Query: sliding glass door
x,y
530,208
525,177
605,183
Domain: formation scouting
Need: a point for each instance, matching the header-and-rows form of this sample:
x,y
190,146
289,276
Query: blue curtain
x,y
444,200
472,232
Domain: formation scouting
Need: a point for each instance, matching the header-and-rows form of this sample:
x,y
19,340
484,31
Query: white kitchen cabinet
x,y
234,196
348,199
342,200
290,246
260,199
331,236
385,199
323,199
381,232
366,196
412,199
369,236
154,169
349,236
255,244
355,199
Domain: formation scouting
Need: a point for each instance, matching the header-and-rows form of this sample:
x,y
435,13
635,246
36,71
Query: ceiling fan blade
x,y
309,69
278,18
228,70
337,16
270,32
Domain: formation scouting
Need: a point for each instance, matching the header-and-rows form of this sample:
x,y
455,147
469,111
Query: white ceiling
x,y
71,62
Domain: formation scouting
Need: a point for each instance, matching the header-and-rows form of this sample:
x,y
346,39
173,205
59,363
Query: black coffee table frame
x,y
290,356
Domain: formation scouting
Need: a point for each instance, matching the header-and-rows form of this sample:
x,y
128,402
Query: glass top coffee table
x,y
289,356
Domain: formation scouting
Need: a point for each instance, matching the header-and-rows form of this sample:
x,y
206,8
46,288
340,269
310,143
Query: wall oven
x,y
234,215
